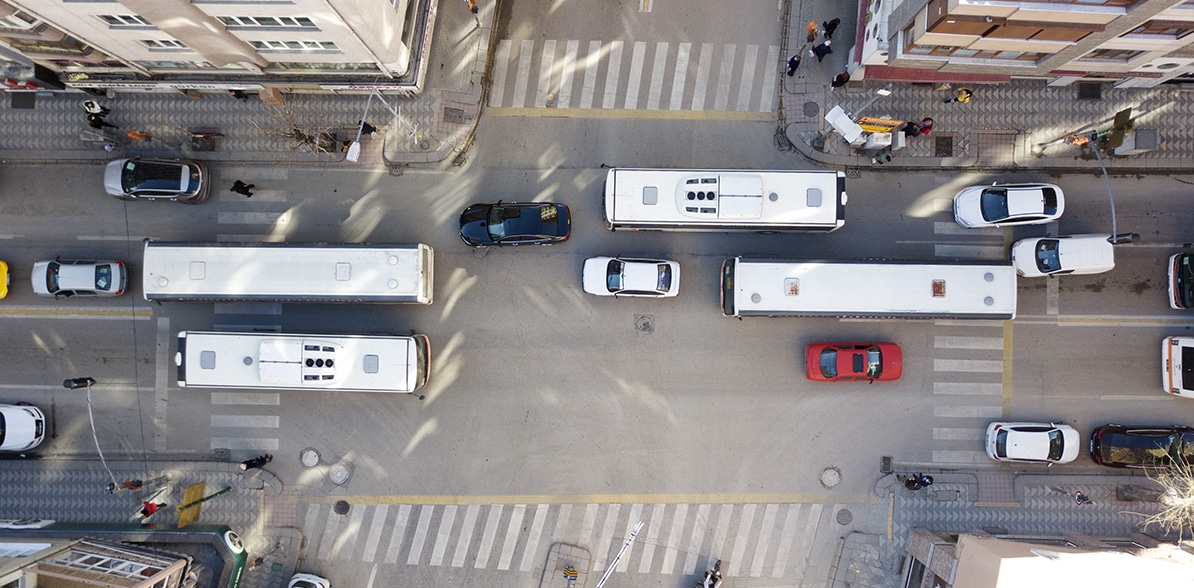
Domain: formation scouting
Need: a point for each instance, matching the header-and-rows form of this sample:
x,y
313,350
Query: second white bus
x,y
278,361
725,200
287,272
868,289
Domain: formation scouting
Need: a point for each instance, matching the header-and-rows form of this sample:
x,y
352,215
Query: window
x,y
320,66
267,21
1164,28
18,20
124,20
1123,55
160,44
294,45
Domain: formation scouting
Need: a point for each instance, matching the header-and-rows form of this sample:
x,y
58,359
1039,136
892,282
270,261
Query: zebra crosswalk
x,y
634,75
770,540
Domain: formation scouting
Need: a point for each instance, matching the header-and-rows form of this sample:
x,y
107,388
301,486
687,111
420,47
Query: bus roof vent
x,y
372,364
343,271
207,360
198,270
813,197
938,288
650,195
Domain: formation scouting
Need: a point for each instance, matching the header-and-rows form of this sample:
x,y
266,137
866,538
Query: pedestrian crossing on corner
x,y
754,540
983,243
968,368
634,75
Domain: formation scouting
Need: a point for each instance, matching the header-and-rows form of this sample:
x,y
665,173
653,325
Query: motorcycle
x,y
712,577
917,481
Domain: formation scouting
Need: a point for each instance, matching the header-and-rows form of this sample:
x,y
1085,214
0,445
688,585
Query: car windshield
x,y
613,275
139,176
3,428
874,363
520,221
1047,259
1183,278
829,363
52,276
1187,368
994,204
103,276
665,278
1001,443
1056,445
1050,200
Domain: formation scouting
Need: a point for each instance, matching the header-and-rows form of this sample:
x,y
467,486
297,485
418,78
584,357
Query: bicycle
x,y
1079,497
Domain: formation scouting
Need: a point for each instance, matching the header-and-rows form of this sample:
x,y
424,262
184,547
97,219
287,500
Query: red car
x,y
852,362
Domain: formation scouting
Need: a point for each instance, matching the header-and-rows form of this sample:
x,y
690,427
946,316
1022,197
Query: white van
x,y
1069,254
1177,354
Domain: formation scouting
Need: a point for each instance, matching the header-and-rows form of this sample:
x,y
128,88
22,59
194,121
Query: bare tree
x,y
295,129
1176,499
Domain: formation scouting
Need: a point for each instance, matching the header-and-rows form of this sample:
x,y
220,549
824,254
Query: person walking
x,y
812,31
472,6
149,508
840,80
822,50
97,121
963,96
93,107
925,127
256,462
239,95
244,190
368,129
793,63
830,26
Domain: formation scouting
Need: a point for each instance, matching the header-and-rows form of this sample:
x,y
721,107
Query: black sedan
x,y
1118,446
515,223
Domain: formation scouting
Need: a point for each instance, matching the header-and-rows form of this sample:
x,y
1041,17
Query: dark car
x,y
1118,446
150,179
515,223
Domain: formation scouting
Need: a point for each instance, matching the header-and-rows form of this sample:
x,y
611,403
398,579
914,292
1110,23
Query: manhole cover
x,y
844,516
811,109
885,464
943,146
339,474
830,477
453,115
309,457
221,454
341,507
1090,91
644,323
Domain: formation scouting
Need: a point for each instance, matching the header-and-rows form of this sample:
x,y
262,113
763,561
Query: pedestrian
x,y
812,31
910,129
245,190
840,80
881,158
96,121
140,135
93,107
149,508
831,26
125,485
925,127
822,50
793,63
368,129
472,6
239,95
256,462
963,96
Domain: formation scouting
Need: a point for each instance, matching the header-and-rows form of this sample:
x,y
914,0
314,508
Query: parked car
x,y
25,523
22,427
1177,366
1070,254
1032,442
1000,205
624,276
137,178
853,362
515,223
302,580
1119,446
78,277
6,281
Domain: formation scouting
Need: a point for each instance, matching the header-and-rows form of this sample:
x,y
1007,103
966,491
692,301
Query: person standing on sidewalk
x,y
840,80
822,50
812,31
963,96
93,107
97,121
793,63
148,508
830,26
245,190
256,462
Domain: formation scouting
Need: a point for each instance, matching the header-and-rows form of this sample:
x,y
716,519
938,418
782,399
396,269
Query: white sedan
x,y
1032,442
22,426
623,276
73,277
1001,205
1071,254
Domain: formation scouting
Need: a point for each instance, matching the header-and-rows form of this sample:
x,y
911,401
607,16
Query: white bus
x,y
277,361
286,272
725,200
868,289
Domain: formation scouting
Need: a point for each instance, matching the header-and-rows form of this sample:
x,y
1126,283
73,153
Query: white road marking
x,y
416,544
785,540
244,443
564,99
610,99
512,531
244,420
636,515
530,554
524,74
636,74
970,251
546,64
397,534
989,343
679,516
747,83
653,527
658,71
466,535
745,524
375,529
968,388
694,539
607,537
764,542
968,412
592,62
246,398
701,86
968,365
767,99
442,534
948,434
722,97
678,76
491,524
501,67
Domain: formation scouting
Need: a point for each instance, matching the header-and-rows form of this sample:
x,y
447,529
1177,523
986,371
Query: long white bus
x,y
725,200
865,289
277,361
287,272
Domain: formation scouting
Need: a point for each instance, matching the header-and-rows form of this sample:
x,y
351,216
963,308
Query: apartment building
x,y
1133,43
294,45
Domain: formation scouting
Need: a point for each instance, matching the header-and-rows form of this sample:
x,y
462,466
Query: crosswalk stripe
x,y
953,228
416,545
990,366
764,542
968,388
785,540
745,523
310,522
375,529
607,537
611,77
636,74
767,99
590,85
657,74
512,531
399,532
722,98
949,434
346,543
330,525
246,398
958,456
524,73
588,523
260,444
679,516
722,528
702,78
247,218
546,63
532,547
500,67
968,412
970,251
679,76
244,420
694,539
653,525
987,343
491,525
636,515
810,531
746,85
441,538
466,534
567,68
562,515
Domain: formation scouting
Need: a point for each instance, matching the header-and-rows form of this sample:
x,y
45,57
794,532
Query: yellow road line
x,y
631,114
597,498
13,311
1007,369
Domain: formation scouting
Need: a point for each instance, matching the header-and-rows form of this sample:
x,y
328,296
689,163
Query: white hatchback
x,y
22,426
74,277
1070,254
624,276
1001,205
303,580
1032,442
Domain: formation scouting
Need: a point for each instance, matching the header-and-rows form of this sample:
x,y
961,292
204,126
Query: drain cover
x,y
943,146
830,477
341,507
811,109
453,115
644,323
844,516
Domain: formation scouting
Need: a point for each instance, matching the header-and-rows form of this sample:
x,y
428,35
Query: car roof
x,y
640,275
77,277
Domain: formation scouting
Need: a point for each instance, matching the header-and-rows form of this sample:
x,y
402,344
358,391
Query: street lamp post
x,y
1116,238
88,382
